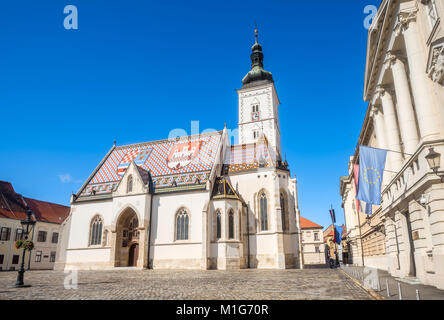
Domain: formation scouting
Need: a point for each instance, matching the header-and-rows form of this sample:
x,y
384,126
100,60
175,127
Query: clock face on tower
x,y
255,116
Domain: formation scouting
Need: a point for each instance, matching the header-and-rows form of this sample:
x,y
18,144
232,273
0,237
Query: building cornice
x,y
377,38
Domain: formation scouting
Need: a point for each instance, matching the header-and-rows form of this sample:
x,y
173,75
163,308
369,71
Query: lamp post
x,y
434,160
27,224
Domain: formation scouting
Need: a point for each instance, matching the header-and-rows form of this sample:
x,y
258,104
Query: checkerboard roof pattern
x,y
157,161
249,156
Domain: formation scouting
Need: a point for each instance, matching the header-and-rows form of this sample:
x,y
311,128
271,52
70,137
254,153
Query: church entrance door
x,y
133,255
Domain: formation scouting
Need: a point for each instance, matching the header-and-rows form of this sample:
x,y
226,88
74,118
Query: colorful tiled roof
x,y
306,224
173,165
249,156
12,206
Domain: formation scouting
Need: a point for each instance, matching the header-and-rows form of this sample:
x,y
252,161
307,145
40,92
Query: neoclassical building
x,y
313,248
193,202
404,85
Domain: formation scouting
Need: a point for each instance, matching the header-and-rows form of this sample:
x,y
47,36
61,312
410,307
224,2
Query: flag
x,y
332,215
368,208
338,234
371,169
356,179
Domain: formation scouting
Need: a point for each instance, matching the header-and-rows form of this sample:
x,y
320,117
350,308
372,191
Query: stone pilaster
x,y
206,232
378,122
391,127
276,211
392,245
436,219
406,114
417,61
142,261
407,259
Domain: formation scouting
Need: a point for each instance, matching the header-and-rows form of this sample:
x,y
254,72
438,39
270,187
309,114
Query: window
x,y
255,108
182,222
55,237
52,257
38,256
255,134
5,234
2,257
41,236
19,234
231,225
133,232
218,225
317,250
316,236
15,259
283,213
263,211
96,231
130,183
432,13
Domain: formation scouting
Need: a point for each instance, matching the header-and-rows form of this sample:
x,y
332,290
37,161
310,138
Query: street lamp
x,y
27,224
434,160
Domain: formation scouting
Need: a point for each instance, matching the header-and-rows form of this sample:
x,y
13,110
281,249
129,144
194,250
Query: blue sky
x,y
134,70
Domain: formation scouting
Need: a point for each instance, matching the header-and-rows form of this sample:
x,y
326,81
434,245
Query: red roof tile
x,y
12,206
305,224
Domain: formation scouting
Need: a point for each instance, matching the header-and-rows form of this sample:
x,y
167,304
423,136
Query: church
x,y
193,202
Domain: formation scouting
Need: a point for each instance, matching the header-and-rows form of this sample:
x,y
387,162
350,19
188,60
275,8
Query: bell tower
x,y
258,104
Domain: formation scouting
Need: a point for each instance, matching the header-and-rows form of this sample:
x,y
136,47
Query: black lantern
x,y
434,160
27,224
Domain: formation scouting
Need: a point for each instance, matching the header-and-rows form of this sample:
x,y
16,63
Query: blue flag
x,y
368,208
338,234
371,169
333,216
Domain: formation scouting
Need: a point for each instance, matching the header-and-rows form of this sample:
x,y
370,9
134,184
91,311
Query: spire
x,y
257,72
257,57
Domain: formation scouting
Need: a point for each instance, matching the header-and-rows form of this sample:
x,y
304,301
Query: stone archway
x,y
127,239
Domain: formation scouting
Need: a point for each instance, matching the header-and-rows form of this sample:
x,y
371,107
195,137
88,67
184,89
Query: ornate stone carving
x,y
436,70
375,109
379,92
404,19
392,56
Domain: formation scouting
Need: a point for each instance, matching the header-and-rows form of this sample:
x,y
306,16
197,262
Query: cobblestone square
x,y
185,284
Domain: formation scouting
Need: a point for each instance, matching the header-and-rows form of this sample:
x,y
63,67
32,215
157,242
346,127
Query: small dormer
x,y
223,190
135,180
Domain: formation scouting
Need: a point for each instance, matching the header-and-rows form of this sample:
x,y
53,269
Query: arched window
x,y
130,183
283,213
182,222
96,231
218,225
133,232
231,225
263,211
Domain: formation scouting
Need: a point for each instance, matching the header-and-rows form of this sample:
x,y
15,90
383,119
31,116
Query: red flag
x,y
356,179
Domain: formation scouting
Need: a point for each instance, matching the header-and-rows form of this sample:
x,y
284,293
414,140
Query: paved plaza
x,y
186,284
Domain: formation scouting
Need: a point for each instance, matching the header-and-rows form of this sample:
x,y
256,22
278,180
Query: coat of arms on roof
x,y
139,155
182,154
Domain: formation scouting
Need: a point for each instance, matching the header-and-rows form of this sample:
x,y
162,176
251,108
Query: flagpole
x,y
360,238
388,150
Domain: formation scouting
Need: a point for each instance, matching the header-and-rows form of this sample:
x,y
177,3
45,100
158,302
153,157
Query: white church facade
x,y
194,202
